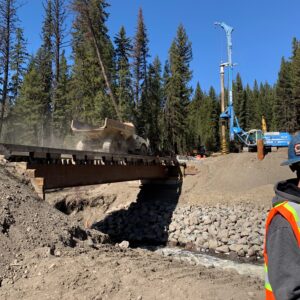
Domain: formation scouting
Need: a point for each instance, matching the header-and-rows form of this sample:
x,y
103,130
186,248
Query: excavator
x,y
115,136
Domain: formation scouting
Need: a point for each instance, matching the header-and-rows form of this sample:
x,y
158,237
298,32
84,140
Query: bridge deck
x,y
50,168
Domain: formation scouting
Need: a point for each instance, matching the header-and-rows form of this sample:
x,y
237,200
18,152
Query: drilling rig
x,y
246,138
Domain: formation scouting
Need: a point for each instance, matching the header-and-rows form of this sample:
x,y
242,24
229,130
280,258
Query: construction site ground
x,y
48,251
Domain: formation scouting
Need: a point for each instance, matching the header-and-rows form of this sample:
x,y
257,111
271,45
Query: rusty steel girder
x,y
50,168
60,176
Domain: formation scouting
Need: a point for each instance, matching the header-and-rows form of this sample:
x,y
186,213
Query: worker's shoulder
x,y
278,222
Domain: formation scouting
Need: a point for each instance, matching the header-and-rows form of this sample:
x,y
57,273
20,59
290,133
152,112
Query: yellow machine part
x,y
263,124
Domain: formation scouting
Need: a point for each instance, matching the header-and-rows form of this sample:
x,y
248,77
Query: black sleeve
x,y
283,260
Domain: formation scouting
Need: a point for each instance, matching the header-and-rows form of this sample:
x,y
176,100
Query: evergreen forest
x,y
41,94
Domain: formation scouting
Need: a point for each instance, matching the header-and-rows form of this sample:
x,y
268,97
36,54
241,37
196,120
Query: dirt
x,y
110,273
48,254
235,178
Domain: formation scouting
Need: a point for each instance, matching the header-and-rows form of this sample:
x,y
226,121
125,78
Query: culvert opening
x,y
69,207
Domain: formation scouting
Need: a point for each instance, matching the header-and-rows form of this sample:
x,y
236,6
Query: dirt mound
x,y
235,178
27,223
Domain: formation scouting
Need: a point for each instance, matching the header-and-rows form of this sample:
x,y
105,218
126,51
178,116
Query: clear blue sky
x,y
263,32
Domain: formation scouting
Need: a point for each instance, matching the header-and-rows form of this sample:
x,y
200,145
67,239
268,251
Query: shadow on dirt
x,y
146,221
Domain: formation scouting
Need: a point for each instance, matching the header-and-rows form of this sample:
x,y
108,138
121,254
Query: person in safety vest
x,y
282,240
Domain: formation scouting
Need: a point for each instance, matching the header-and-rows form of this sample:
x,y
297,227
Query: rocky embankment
x,y
237,230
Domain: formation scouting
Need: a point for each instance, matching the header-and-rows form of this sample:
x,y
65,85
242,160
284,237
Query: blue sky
x,y
263,32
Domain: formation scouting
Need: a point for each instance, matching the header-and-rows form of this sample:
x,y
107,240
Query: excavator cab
x,y
253,136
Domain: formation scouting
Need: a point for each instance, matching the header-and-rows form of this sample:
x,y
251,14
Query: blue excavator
x,y
246,138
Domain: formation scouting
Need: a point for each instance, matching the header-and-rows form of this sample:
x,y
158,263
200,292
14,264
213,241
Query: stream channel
x,y
209,261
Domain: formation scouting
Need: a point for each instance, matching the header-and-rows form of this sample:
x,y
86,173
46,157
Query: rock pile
x,y
235,229
224,229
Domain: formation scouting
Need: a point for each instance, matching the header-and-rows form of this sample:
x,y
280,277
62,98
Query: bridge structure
x,y
51,168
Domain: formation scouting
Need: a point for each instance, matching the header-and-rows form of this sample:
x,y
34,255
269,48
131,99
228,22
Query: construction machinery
x,y
112,137
247,138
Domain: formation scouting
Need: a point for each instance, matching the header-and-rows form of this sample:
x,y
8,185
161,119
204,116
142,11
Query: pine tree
x,y
205,111
153,105
239,101
140,71
58,20
249,113
140,55
214,121
195,119
165,79
295,47
124,91
90,100
165,144
19,57
295,70
286,106
256,107
28,111
286,99
62,113
8,21
283,110
179,91
44,60
266,102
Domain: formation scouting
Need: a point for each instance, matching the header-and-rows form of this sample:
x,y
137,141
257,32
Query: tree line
x,y
279,104
41,94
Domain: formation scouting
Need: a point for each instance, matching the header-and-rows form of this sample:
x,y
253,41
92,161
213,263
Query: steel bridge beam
x,y
59,176
50,168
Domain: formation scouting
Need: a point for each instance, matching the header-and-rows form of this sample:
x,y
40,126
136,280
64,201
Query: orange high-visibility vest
x,y
291,212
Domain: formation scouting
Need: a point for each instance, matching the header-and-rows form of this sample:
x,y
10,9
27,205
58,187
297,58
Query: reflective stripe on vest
x,y
291,212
